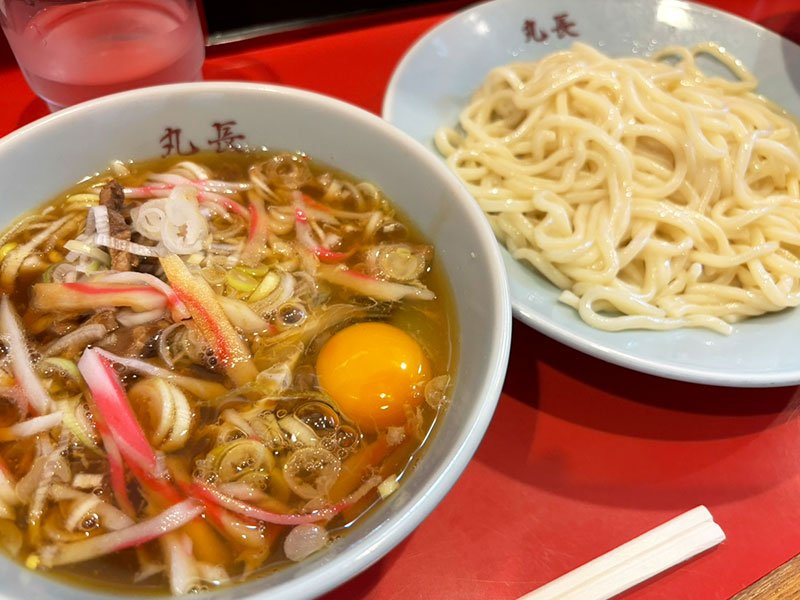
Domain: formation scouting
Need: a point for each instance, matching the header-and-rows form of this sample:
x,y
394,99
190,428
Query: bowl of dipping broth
x,y
252,336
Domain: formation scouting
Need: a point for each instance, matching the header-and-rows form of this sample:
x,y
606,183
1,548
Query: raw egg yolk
x,y
373,371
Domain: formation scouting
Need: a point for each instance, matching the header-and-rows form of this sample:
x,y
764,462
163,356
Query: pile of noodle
x,y
655,196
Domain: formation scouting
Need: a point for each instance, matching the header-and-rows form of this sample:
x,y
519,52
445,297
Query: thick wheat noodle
x,y
655,196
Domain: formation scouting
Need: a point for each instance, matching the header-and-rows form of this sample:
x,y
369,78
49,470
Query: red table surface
x,y
581,456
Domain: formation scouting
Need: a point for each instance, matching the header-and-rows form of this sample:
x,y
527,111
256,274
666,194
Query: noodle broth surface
x,y
293,252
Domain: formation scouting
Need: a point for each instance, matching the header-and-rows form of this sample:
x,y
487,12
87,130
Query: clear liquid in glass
x,y
73,52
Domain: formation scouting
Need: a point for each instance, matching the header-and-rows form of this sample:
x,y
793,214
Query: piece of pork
x,y
112,196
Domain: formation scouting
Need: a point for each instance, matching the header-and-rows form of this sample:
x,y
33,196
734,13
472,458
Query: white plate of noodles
x,y
657,197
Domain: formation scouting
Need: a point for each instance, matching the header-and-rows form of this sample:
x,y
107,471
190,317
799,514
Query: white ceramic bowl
x,y
50,155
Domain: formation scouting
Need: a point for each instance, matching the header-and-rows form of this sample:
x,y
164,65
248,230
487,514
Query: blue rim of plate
x,y
433,81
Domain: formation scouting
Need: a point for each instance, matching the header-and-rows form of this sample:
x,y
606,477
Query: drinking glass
x,y
72,51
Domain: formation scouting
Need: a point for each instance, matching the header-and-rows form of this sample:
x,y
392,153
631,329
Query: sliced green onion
x,y
62,365
239,457
87,250
195,259
69,419
47,276
241,281
171,415
266,287
257,271
155,394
